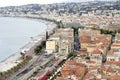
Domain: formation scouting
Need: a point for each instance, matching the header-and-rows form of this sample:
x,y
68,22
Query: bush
x,y
39,48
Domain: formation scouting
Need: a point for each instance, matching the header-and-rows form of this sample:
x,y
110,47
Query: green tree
x,y
37,49
1,74
43,43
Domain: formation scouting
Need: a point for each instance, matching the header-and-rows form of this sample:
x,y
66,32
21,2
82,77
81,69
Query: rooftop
x,y
115,77
111,52
96,51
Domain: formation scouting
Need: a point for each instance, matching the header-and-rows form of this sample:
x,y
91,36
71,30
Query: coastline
x,y
14,58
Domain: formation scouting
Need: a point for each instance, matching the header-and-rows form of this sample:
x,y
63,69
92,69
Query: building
x,y
84,41
113,55
62,41
117,37
115,46
115,77
92,39
51,46
64,47
96,56
73,70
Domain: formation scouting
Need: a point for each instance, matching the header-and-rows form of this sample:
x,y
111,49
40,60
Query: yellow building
x,y
51,45
90,48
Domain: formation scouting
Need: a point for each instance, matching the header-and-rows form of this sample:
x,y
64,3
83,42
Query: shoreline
x,y
13,59
27,42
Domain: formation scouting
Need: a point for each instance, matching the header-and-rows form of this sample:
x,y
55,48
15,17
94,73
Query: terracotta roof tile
x,y
115,77
110,69
111,52
96,51
73,68
116,44
113,62
59,78
89,76
85,39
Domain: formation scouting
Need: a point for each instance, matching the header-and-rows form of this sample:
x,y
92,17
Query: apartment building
x,y
62,41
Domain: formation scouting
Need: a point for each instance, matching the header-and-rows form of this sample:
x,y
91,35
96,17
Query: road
x,y
24,68
41,61
76,42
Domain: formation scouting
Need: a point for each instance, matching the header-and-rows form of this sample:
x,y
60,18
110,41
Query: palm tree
x,y
22,63
4,74
9,72
19,65
15,68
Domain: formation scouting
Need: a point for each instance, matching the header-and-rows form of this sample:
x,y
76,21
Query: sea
x,y
16,32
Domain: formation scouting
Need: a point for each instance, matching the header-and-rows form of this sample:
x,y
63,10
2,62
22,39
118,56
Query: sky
x,y
4,3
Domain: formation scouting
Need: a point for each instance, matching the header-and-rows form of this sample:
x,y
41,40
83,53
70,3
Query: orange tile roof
x,y
113,62
111,52
85,39
89,76
68,62
110,69
59,78
73,68
93,67
92,62
116,44
115,77
102,68
96,51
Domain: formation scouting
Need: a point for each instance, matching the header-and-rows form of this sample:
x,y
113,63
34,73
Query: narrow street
x,y
76,40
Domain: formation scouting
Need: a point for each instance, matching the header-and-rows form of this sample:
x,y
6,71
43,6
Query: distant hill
x,y
71,8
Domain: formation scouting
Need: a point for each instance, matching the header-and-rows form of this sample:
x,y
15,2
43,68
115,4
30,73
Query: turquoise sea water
x,y
16,32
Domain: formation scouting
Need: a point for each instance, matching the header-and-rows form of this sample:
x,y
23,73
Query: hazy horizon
x,y
4,3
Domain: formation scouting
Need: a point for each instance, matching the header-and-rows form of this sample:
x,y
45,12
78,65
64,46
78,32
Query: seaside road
x,y
22,69
30,71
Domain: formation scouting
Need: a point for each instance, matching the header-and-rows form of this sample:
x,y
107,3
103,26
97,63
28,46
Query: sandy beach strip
x,y
10,62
